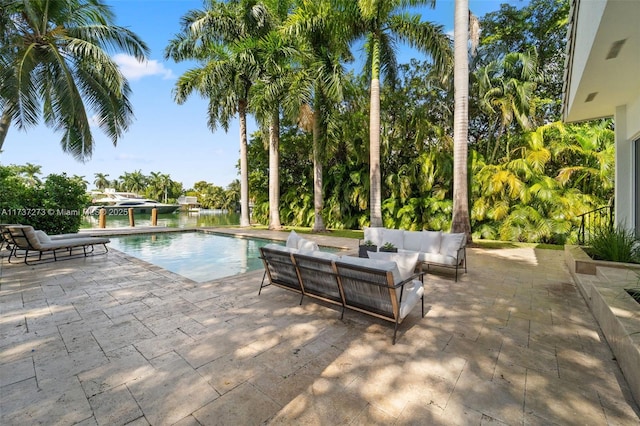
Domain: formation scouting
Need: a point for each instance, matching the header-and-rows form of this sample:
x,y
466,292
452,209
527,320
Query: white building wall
x,y
625,158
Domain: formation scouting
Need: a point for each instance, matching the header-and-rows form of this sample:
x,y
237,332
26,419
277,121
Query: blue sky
x,y
166,137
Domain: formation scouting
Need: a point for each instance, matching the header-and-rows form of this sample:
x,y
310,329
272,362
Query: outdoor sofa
x,y
435,248
26,242
369,286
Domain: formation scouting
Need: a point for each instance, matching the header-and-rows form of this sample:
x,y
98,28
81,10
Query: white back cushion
x,y
374,235
451,243
431,241
393,236
412,240
383,265
406,261
292,240
307,245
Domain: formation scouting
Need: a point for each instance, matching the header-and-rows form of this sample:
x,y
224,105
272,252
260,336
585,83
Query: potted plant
x,y
389,248
365,247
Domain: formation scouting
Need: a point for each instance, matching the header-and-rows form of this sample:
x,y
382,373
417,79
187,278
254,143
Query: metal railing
x,y
592,221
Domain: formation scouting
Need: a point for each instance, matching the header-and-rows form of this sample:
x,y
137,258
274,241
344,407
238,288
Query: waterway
x,y
172,220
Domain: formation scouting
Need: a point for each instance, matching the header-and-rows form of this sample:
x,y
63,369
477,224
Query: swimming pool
x,y
198,256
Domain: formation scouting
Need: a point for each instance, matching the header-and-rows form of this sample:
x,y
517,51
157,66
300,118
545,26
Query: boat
x,y
119,203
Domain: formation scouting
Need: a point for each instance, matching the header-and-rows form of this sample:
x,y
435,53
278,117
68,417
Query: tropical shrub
x,y
55,206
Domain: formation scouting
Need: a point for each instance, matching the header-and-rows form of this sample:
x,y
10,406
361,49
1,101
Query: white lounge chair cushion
x,y
431,241
374,234
292,240
451,243
42,236
405,261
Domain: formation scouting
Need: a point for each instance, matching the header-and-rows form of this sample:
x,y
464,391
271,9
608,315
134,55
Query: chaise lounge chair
x,y
25,239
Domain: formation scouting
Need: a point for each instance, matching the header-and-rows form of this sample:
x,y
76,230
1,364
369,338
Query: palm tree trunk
x,y
318,202
274,172
375,180
5,123
460,221
244,173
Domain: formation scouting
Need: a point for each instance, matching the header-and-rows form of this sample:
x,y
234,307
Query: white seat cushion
x,y
411,295
442,259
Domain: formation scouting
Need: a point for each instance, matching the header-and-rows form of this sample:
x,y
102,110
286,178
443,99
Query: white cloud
x,y
134,70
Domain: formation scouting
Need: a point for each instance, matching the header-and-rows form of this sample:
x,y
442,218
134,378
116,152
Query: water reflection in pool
x,y
195,255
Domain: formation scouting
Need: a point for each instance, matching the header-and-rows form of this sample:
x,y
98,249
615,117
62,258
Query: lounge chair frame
x,y
24,244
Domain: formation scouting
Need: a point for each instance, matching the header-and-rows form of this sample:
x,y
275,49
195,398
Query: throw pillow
x,y
292,240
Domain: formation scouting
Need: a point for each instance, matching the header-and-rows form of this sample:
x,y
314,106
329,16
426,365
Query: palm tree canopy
x,y
54,64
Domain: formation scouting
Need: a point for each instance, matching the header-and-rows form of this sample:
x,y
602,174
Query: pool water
x,y
196,255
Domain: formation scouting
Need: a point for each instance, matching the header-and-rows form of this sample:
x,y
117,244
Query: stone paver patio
x,y
113,340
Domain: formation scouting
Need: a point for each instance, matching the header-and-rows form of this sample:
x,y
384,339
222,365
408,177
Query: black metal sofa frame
x,y
364,289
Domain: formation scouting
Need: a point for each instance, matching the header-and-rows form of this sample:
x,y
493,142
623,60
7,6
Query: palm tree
x,y
220,38
158,185
54,65
133,182
30,174
101,181
460,221
507,87
320,25
275,54
384,24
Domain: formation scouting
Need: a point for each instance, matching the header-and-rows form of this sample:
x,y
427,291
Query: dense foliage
x,y
54,206
530,175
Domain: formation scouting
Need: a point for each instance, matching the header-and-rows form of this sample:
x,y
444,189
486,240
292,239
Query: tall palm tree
x,y
507,86
385,23
321,26
54,64
133,182
460,221
277,56
101,181
220,39
30,174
